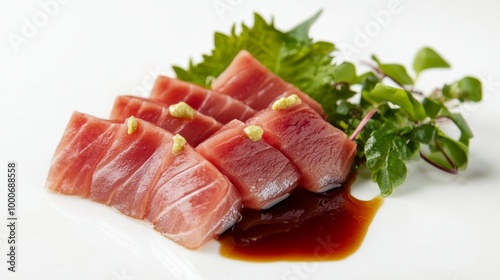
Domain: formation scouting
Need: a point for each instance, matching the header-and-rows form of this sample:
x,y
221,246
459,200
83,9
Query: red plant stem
x,y
363,122
453,170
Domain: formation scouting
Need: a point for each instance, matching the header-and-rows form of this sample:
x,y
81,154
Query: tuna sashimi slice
x,y
322,153
192,202
82,145
130,167
221,107
195,129
261,173
133,167
246,79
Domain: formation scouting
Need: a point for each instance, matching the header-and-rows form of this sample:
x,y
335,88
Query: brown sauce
x,y
305,226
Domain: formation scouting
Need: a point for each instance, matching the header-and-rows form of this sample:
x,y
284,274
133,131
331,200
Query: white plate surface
x,y
61,56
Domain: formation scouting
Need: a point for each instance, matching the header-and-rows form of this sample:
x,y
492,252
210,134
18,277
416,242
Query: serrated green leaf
x,y
262,40
291,55
181,73
427,58
308,68
399,97
300,34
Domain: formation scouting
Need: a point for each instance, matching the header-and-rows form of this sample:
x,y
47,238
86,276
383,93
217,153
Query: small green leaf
x,y
399,97
427,58
465,131
399,148
395,71
432,107
424,133
345,73
466,89
435,108
391,175
376,149
471,89
385,153
382,144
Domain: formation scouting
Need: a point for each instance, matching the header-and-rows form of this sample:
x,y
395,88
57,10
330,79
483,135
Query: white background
x,y
78,55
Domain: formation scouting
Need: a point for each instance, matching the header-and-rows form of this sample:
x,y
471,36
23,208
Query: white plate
x,y
74,55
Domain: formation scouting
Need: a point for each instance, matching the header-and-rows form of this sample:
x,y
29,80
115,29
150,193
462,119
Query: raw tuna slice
x,y
221,107
131,165
82,146
322,153
261,173
195,129
246,79
193,202
138,168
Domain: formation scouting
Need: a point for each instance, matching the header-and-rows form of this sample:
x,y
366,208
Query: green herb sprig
x,y
380,109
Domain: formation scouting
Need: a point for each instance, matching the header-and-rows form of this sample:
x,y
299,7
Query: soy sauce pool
x,y
306,226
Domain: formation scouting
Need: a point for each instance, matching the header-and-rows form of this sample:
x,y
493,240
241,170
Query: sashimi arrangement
x,y
240,133
188,187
